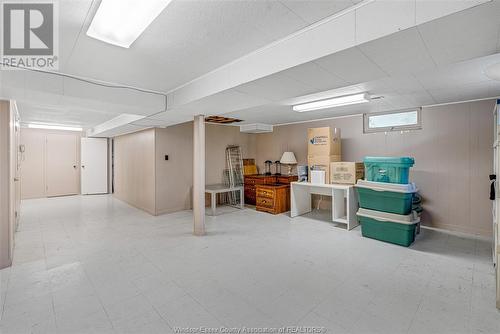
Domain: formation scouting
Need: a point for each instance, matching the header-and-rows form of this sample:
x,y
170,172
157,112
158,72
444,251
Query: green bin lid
x,y
390,160
384,186
410,219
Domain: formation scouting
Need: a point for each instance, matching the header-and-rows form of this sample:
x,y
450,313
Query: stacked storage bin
x,y
386,199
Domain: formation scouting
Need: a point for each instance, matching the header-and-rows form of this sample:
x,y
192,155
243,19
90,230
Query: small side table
x,y
214,189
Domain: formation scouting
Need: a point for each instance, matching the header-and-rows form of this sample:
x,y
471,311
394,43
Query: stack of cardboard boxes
x,y
323,148
324,154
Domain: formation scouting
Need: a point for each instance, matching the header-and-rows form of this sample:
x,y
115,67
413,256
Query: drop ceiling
x,y
438,61
188,39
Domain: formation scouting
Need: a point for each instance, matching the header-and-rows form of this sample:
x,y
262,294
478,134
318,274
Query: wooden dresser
x,y
273,198
253,181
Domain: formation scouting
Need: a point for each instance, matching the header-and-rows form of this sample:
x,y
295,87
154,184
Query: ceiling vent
x,y
256,128
221,120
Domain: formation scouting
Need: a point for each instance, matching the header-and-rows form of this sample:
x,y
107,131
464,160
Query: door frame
x,y
496,202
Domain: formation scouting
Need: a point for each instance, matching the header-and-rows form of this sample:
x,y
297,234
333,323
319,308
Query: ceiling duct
x,y
256,128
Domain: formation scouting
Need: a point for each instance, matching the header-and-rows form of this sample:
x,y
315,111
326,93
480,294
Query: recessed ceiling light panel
x,y
333,102
120,22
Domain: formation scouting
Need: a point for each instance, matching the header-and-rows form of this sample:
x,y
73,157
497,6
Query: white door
x,y
61,164
94,166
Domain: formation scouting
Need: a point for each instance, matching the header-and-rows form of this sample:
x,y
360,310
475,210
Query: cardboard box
x,y
248,162
321,162
249,169
346,172
323,141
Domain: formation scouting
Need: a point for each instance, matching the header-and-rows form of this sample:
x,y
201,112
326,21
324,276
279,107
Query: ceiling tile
x,y
400,53
457,74
275,87
352,66
401,84
429,10
380,18
312,11
72,16
315,76
494,88
462,36
225,101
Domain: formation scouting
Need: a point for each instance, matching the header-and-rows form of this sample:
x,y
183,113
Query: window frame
x,y
366,121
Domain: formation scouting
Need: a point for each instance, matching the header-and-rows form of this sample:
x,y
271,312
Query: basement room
x,y
250,167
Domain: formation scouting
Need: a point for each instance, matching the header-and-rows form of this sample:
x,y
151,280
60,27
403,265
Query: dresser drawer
x,y
255,180
249,181
265,202
260,180
282,180
265,192
286,179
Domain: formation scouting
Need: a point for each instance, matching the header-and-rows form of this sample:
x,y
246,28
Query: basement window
x,y
401,120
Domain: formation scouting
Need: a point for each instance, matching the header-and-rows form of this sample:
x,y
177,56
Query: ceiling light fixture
x,y
120,22
53,127
333,102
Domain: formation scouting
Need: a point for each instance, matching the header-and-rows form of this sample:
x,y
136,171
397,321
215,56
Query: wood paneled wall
x,y
134,169
175,175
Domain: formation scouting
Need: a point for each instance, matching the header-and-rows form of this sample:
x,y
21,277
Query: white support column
x,y
199,175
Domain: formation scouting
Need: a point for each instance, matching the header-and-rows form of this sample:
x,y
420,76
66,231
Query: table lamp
x,y
288,158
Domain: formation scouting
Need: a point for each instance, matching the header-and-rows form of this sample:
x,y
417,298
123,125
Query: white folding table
x,y
344,201
214,189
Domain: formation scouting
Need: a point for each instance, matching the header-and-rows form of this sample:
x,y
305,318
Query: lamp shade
x,y
288,158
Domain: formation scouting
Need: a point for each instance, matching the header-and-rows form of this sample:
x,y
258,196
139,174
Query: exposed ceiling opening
x,y
221,120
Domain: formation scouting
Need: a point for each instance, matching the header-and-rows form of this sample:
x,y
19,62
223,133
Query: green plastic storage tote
x,y
386,197
388,227
388,169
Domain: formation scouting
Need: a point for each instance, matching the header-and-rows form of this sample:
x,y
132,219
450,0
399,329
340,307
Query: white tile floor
x,y
95,265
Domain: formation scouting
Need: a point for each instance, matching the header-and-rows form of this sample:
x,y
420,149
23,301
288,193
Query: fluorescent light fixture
x,y
120,22
53,127
333,102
